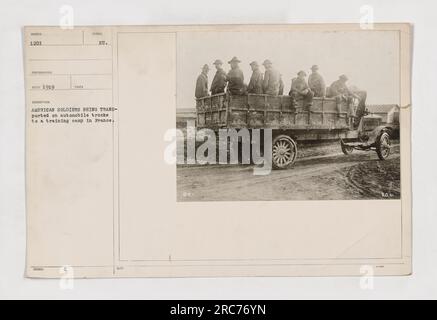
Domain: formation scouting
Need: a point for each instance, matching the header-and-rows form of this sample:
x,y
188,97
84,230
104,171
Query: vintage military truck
x,y
292,122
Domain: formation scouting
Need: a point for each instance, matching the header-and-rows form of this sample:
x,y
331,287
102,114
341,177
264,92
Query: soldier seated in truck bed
x,y
300,89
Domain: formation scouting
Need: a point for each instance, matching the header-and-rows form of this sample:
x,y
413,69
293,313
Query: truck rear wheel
x,y
284,152
383,146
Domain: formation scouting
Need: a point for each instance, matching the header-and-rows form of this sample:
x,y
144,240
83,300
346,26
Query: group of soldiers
x,y
270,82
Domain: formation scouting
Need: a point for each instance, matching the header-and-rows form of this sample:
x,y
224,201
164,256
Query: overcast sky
x,y
369,58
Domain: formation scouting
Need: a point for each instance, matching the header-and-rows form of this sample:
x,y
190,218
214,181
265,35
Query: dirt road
x,y
329,175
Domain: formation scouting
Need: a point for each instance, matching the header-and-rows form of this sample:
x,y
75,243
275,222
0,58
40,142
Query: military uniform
x,y
219,82
317,84
235,79
256,83
301,91
271,82
201,86
338,88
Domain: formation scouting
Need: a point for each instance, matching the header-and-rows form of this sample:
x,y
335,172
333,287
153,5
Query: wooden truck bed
x,y
275,112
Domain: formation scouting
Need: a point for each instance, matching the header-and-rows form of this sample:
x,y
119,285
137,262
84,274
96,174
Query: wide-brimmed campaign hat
x,y
218,61
266,62
254,63
315,67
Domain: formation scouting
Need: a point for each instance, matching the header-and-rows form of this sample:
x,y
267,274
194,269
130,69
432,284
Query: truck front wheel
x,y
383,146
346,149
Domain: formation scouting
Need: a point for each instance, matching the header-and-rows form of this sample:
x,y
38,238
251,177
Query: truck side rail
x,y
266,111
